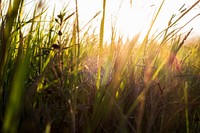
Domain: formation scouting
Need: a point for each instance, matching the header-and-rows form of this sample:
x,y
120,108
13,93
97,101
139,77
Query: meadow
x,y
56,78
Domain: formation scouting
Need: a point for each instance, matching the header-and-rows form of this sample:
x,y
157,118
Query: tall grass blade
x,y
7,27
186,107
152,23
101,37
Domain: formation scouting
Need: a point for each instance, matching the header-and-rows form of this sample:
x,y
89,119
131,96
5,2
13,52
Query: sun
x,y
134,19
128,19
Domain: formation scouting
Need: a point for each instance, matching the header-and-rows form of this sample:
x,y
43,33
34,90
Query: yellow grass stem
x,y
171,24
184,13
77,28
74,89
186,107
152,23
101,46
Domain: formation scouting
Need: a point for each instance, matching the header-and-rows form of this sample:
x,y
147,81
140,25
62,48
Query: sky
x,y
128,19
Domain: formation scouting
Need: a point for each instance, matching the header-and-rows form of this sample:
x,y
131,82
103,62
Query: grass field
x,y
56,78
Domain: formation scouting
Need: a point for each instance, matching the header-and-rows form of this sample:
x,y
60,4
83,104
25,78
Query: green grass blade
x,y
101,37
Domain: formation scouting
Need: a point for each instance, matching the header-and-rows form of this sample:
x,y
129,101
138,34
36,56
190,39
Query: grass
x,y
57,78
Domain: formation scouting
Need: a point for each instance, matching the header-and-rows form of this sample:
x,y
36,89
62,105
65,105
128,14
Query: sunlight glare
x,y
131,20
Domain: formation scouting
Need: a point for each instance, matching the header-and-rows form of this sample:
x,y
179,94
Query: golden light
x,y
128,19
